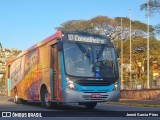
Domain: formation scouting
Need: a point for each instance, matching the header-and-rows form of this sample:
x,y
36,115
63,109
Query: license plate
x,y
95,95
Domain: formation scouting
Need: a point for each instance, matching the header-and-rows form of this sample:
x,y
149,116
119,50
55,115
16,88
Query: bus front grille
x,y
94,83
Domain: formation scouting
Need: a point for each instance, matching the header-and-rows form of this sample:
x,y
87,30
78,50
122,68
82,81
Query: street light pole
x,y
130,48
148,44
121,56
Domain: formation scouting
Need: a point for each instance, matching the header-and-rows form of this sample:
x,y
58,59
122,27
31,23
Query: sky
x,y
23,23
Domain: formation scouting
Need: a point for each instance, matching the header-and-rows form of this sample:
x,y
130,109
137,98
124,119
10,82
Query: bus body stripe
x,y
51,83
64,84
9,86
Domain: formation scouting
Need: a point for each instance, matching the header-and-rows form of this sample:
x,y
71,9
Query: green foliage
x,y
139,57
140,54
2,82
135,24
107,26
152,7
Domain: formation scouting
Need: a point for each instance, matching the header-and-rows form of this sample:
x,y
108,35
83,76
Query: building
x,y
5,54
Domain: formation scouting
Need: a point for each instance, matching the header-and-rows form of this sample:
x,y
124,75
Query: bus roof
x,y
58,35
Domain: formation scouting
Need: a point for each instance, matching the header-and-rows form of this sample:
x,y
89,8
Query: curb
x,y
134,104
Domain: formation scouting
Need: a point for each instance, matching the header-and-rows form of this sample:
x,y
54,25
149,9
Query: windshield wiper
x,y
100,52
83,50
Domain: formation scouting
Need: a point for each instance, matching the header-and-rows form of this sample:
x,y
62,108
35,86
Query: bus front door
x,y
55,67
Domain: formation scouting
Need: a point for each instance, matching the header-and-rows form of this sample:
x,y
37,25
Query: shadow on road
x,y
68,110
10,100
60,107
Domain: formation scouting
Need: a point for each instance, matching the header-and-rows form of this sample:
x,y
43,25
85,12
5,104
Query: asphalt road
x,y
70,111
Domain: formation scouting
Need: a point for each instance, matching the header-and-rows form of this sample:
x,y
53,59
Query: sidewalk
x,y
141,103
148,102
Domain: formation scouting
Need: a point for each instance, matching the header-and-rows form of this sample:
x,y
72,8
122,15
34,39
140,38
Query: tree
x,y
80,25
154,8
138,28
139,57
107,26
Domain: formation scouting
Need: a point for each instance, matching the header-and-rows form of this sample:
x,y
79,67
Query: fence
x,y
136,85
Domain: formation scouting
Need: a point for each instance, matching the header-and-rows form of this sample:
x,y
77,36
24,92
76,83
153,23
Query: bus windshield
x,y
90,60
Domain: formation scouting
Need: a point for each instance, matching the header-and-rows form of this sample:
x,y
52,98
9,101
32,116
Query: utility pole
x,y
148,15
130,12
121,56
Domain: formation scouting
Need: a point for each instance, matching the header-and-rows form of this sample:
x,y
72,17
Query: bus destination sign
x,y
89,39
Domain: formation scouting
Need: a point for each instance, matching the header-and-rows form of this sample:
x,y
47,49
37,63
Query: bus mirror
x,y
60,46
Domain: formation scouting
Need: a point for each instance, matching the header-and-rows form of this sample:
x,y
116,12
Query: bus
x,y
66,67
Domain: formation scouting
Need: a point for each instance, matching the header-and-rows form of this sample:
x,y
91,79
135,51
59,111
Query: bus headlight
x,y
71,86
115,86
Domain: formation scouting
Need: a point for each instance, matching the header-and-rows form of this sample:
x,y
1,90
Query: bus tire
x,y
90,105
16,99
45,100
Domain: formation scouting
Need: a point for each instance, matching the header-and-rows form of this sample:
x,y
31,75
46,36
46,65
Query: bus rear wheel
x,y
90,105
45,99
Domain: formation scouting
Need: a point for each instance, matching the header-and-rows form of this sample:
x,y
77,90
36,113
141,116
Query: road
x,y
73,110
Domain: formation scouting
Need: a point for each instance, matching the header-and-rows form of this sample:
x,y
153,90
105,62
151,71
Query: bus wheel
x,y
45,99
90,105
16,99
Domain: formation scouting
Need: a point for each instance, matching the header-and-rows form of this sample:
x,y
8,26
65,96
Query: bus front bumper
x,y
73,96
